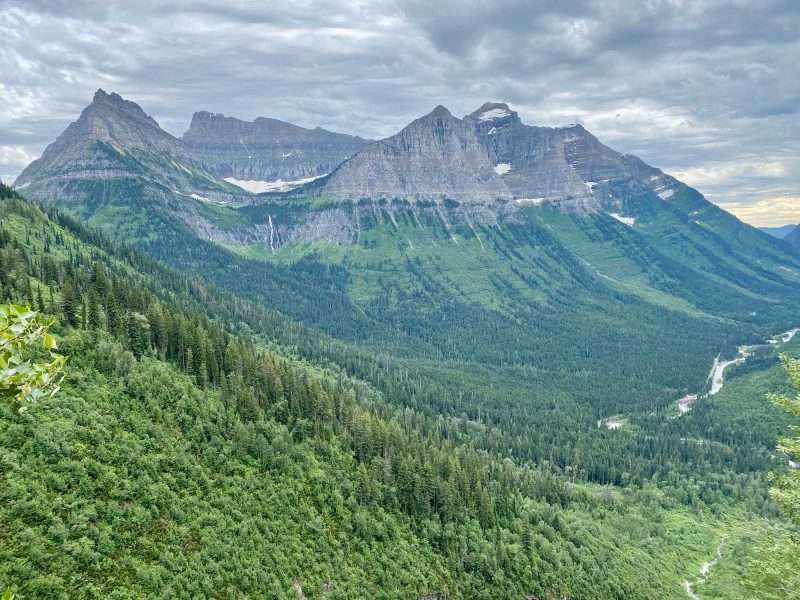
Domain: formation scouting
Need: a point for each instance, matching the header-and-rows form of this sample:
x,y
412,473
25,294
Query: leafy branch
x,y
29,369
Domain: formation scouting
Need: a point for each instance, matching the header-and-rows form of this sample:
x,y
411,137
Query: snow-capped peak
x,y
494,113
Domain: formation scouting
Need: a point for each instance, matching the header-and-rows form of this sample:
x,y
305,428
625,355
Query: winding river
x,y
684,404
717,374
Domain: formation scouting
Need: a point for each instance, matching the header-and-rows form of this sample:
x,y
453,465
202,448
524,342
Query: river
x,y
684,404
717,374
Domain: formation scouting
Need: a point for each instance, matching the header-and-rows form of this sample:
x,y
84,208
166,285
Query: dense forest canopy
x,y
206,445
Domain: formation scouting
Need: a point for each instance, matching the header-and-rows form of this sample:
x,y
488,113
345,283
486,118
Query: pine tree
x,y
93,312
39,300
70,303
28,291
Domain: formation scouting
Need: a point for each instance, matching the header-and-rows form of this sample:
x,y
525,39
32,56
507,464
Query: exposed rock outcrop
x,y
565,165
266,149
115,140
437,156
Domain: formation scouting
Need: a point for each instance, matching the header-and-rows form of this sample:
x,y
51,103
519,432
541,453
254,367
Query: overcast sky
x,y
708,90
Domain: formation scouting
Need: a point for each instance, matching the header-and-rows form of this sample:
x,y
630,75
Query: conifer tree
x,y
70,303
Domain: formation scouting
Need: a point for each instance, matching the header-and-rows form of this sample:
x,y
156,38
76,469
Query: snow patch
x,y
23,186
666,194
492,131
198,197
627,220
590,184
502,168
532,201
279,185
494,113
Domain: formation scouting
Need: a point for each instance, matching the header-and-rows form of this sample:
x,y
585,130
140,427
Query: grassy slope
x,y
665,253
129,481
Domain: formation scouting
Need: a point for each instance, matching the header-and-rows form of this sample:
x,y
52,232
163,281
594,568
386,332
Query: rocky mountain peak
x,y
439,111
203,116
493,114
438,118
112,139
105,105
102,96
436,156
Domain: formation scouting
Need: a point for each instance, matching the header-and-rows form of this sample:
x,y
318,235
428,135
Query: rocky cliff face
x,y
531,159
115,140
437,156
266,149
489,161
564,165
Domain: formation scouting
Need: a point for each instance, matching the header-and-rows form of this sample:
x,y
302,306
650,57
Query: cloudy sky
x,y
708,90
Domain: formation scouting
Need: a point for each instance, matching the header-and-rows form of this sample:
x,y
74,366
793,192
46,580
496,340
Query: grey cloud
x,y
684,84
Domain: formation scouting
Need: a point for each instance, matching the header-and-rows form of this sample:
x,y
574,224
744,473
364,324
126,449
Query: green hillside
x,y
537,327
189,455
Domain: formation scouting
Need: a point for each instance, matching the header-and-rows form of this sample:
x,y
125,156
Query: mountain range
x,y
115,151
518,296
489,155
780,231
516,229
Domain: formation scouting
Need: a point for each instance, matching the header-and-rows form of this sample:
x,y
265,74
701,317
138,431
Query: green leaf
x,y
49,341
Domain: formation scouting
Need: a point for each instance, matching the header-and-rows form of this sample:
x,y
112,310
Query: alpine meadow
x,y
462,357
